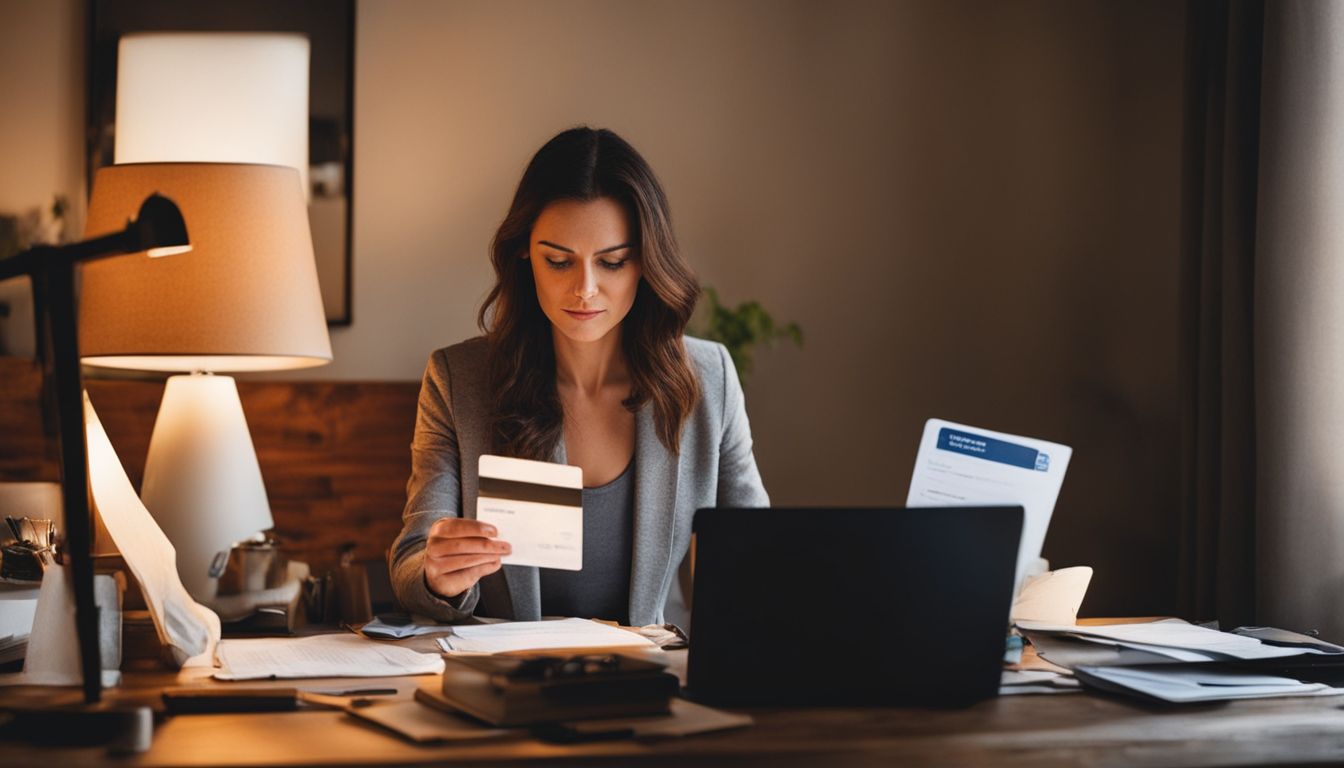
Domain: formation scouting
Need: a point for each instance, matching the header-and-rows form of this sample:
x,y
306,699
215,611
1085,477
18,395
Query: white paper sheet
x,y
1179,654
18,606
338,655
537,508
1173,633
1036,690
1027,676
539,635
959,465
187,628
1054,596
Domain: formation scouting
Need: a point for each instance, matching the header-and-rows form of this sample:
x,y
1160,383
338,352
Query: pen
x,y
359,692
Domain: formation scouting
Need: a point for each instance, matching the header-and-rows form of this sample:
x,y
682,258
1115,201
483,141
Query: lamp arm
x,y
44,257
159,223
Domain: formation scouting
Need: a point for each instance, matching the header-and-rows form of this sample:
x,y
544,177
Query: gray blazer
x,y
715,467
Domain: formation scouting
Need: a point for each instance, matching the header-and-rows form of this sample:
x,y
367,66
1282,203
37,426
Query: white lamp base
x,y
202,481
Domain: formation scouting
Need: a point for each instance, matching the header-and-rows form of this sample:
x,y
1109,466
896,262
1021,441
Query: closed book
x,y
510,691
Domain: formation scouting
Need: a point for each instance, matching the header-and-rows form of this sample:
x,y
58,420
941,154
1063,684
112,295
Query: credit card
x,y
537,507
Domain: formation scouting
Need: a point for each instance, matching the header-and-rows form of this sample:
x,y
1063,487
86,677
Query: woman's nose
x,y
587,285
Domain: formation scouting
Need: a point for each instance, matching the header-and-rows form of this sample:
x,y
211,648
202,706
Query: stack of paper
x,y
1022,681
12,648
1173,638
567,634
1182,684
1177,662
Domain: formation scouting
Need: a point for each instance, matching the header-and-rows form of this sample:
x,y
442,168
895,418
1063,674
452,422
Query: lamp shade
x,y
235,97
245,298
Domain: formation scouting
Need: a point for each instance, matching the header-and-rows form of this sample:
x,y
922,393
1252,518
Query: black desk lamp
x,y
159,230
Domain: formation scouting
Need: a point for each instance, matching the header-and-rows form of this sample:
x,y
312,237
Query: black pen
x,y
359,692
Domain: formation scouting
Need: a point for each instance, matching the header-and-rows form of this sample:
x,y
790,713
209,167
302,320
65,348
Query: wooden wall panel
x,y
335,455
26,453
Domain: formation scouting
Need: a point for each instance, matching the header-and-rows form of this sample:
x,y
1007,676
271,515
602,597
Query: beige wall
x,y
970,207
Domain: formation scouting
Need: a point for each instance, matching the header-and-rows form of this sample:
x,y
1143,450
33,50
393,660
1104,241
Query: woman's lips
x,y
584,314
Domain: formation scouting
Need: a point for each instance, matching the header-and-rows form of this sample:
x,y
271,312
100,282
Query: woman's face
x,y
585,266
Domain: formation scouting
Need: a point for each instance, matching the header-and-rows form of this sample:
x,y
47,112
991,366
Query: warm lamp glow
x,y
202,481
230,97
172,250
211,363
245,299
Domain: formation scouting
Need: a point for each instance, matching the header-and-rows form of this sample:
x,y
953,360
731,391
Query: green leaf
x,y
743,329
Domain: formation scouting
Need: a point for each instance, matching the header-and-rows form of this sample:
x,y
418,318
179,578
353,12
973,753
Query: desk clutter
x,y
569,680
1175,662
1167,660
560,680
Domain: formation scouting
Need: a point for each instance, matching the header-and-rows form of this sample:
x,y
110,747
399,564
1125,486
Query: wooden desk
x,y
1068,729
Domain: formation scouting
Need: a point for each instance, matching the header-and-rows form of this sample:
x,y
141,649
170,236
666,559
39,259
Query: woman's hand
x,y
459,553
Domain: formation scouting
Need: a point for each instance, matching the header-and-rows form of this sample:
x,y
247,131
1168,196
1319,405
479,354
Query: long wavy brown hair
x,y
587,164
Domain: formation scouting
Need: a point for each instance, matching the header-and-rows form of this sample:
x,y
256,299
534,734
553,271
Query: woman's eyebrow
x,y
558,247
549,244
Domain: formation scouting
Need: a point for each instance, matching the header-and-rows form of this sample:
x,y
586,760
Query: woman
x,y
583,363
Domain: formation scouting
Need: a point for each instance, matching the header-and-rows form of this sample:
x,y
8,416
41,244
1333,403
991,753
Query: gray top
x,y
602,589
714,467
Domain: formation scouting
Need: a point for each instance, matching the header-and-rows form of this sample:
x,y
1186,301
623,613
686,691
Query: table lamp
x,y
247,300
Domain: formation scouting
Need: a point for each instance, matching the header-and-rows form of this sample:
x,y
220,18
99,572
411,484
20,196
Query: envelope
x,y
537,507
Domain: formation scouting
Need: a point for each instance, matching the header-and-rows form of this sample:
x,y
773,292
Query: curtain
x,y
1218,451
1299,320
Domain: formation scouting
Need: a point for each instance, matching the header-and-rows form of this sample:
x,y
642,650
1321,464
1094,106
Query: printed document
x,y
337,655
537,507
540,635
968,466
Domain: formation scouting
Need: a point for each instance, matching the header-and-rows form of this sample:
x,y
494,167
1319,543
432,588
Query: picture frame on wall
x,y
329,28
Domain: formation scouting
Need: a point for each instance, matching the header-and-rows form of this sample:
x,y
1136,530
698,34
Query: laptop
x,y
896,606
